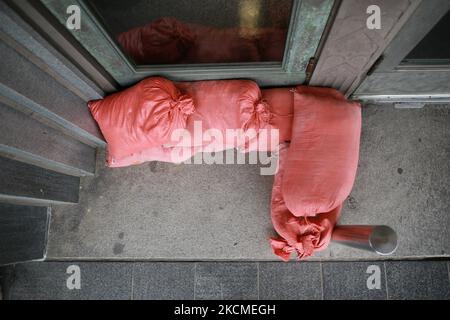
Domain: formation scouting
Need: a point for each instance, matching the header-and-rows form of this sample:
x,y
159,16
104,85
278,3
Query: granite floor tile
x,y
290,281
354,281
418,280
163,281
58,281
226,281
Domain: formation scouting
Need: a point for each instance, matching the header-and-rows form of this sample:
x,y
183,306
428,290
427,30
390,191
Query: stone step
x,y
28,89
28,140
23,183
23,233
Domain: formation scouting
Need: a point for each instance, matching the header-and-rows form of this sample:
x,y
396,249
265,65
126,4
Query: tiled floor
x,y
233,280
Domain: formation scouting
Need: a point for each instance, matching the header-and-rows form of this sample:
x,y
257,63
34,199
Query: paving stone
x,y
418,280
226,281
290,281
354,281
163,281
49,281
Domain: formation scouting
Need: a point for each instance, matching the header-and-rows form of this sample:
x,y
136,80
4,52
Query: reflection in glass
x,y
197,31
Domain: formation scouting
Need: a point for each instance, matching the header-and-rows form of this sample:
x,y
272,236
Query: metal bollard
x,y
380,239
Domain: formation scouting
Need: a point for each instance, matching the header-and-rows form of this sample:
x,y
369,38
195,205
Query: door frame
x,y
392,81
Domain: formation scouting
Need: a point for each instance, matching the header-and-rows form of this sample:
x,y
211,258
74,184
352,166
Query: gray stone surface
x,y
196,212
349,281
421,280
163,281
43,281
166,211
290,281
225,281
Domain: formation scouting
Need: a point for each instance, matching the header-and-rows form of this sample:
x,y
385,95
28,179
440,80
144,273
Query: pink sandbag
x,y
141,117
300,235
316,171
281,107
323,156
223,105
163,41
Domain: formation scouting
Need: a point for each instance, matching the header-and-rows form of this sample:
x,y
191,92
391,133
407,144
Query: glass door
x,y
269,41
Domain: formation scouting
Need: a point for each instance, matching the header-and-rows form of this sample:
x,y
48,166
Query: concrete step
x,y
26,184
391,280
23,233
28,140
159,211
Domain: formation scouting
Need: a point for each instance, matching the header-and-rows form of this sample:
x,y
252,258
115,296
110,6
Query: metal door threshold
x,y
426,98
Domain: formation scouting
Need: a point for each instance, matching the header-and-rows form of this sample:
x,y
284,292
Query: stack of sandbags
x,y
317,128
158,120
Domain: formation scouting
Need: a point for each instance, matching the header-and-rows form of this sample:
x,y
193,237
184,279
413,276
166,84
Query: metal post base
x,y
379,239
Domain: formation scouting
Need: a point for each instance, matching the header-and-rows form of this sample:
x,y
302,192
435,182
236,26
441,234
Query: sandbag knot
x,y
184,104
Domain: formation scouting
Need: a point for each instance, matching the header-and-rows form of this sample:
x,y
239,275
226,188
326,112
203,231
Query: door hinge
x,y
310,69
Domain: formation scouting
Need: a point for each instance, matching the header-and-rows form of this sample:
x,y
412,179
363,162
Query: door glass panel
x,y
435,46
155,32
